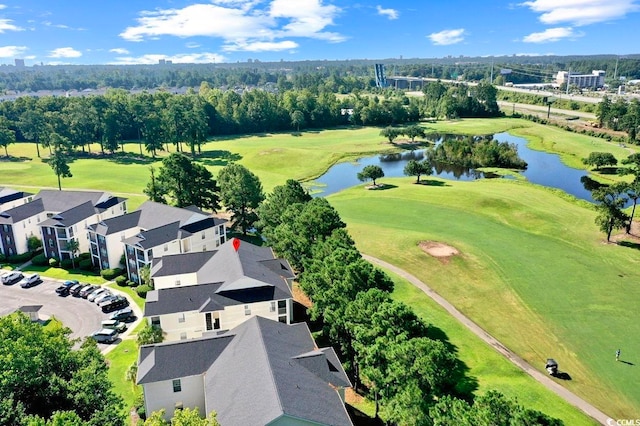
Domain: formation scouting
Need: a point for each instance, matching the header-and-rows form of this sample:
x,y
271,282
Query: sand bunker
x,y
439,250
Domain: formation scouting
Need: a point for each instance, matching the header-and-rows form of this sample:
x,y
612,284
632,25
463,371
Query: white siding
x,y
170,281
193,325
160,395
233,316
23,230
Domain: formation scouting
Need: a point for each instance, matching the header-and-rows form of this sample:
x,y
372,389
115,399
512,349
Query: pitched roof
x,y
22,212
162,223
8,194
273,368
72,216
117,223
204,298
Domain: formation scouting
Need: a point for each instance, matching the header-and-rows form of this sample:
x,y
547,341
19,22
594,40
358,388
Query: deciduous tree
x,y
417,169
600,159
372,172
610,204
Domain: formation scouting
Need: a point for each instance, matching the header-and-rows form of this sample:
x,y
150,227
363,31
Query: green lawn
x,y
534,272
63,274
120,359
488,367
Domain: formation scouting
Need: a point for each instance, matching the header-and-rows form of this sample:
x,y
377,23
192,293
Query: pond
x,y
543,169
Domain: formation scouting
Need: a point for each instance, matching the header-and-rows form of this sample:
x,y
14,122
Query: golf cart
x,y
552,367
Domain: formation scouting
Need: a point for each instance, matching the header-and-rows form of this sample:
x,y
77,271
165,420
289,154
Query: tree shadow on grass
x,y
14,159
465,385
126,158
629,244
608,170
381,187
362,419
218,157
431,182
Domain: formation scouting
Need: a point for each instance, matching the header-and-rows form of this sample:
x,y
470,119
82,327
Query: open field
x,y
533,271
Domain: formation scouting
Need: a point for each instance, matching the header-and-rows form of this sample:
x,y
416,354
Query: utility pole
x,y
568,80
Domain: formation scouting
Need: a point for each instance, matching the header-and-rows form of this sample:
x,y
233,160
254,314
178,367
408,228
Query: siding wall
x,y
160,395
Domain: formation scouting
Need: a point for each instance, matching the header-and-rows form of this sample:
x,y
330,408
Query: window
x,y
177,386
183,336
208,320
177,283
247,310
155,321
181,317
203,235
6,228
272,308
50,242
49,231
166,247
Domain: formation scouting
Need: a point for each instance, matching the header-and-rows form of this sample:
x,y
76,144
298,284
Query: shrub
x,y
109,274
121,280
19,258
66,264
132,284
83,256
85,265
2,257
53,262
40,260
142,290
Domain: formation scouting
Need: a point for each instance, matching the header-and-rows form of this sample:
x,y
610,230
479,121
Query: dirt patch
x,y
440,251
300,297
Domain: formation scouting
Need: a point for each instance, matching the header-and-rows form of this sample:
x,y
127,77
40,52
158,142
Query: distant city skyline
x,y
217,31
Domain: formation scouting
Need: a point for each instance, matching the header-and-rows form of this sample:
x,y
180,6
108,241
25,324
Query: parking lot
x,y
81,316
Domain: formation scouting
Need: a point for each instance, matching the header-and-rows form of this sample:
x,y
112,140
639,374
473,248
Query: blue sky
x,y
207,31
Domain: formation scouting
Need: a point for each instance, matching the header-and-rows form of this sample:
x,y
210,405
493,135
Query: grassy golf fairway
x,y
490,368
533,270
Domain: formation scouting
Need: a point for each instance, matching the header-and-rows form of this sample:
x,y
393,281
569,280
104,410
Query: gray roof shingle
x,y
72,216
273,368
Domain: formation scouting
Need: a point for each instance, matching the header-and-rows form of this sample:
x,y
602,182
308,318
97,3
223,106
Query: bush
x,y
121,280
142,290
53,262
84,256
19,258
66,264
132,284
40,260
110,274
85,264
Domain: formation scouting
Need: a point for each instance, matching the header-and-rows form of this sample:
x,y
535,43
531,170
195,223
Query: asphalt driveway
x,y
81,316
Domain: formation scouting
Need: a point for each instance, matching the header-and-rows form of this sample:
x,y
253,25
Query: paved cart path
x,y
567,395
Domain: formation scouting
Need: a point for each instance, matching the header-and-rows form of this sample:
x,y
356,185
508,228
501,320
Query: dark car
x,y
63,290
115,304
12,278
86,291
74,288
75,291
125,314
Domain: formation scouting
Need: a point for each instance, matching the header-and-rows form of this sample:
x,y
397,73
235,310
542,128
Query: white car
x,y
105,294
92,297
12,277
30,281
114,325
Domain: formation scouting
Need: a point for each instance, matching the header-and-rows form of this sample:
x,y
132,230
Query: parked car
x,y
96,293
114,325
105,335
30,281
63,290
107,299
86,291
69,283
105,294
12,278
75,292
115,304
125,314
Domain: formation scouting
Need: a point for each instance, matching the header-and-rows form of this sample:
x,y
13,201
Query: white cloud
x,y
580,12
12,51
261,46
3,6
389,13
551,35
191,45
119,51
240,22
447,37
186,58
6,25
65,52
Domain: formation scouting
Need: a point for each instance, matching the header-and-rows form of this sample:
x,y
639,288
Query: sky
x,y
216,31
